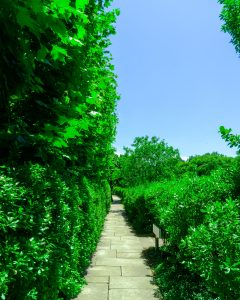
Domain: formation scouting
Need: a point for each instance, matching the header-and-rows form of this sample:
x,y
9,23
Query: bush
x,y
212,249
205,164
57,125
49,227
201,227
177,282
137,211
182,207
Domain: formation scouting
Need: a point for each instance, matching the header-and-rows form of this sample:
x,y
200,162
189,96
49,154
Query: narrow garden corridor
x,y
118,271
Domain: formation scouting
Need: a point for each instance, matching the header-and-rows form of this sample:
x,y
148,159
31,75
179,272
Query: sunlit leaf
x,y
58,53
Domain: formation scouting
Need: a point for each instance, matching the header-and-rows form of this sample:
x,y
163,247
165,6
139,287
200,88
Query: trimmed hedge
x,y
49,228
57,125
201,223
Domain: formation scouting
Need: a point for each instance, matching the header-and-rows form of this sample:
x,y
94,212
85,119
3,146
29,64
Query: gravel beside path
x,y
118,272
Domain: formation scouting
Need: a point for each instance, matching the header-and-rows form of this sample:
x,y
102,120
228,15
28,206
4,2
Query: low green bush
x,y
212,249
201,226
177,282
136,209
183,206
205,164
49,228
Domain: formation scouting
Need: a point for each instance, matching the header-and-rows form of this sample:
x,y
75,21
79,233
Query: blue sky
x,y
178,74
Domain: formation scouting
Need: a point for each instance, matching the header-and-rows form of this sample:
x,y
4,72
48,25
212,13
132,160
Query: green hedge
x,y
49,228
201,224
57,125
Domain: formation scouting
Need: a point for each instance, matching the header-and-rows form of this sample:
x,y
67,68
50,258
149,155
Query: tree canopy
x,y
230,16
149,159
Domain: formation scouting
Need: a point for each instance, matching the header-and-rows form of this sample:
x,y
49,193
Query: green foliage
x,y
177,282
115,171
135,206
205,164
49,227
212,249
176,205
233,140
194,216
57,124
230,16
58,89
148,160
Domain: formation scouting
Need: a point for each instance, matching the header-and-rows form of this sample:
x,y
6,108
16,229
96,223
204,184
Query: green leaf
x,y
91,100
81,32
84,124
63,3
24,18
62,120
41,54
36,5
71,132
80,4
58,53
60,143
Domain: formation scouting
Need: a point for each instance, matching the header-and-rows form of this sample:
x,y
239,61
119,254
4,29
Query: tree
x,y
233,140
206,163
230,15
149,159
57,89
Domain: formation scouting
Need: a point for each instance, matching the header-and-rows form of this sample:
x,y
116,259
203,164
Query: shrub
x,y
201,228
49,227
212,249
57,125
177,282
182,204
205,164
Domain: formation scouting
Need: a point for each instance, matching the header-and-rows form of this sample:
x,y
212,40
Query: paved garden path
x,y
118,271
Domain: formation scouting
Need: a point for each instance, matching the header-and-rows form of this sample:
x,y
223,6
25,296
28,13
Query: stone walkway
x,y
118,272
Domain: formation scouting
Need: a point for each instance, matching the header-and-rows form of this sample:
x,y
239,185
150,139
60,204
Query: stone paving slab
x,y
110,238
128,254
130,242
129,238
120,282
103,247
129,250
136,271
104,271
94,291
108,233
119,262
105,253
131,294
118,270
124,234
96,279
126,247
106,243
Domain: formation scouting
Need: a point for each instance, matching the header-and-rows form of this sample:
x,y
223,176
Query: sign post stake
x,y
156,232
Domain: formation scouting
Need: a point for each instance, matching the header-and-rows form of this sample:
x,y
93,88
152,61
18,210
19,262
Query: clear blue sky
x,y
178,74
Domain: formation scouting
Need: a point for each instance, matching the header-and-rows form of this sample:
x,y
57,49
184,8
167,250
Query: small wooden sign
x,y
157,231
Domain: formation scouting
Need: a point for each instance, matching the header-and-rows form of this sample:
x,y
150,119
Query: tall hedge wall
x,y
57,123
